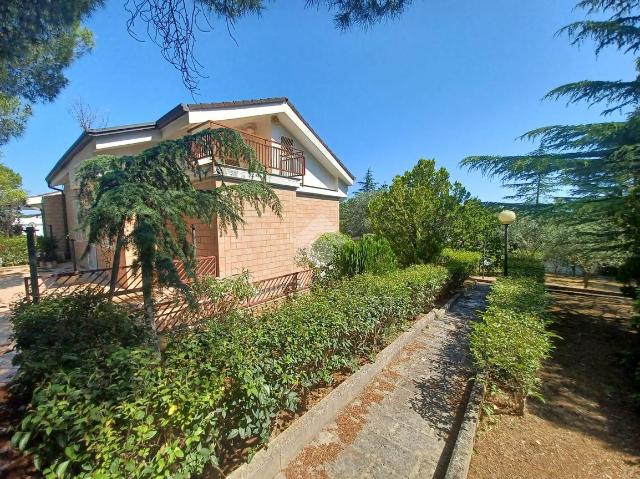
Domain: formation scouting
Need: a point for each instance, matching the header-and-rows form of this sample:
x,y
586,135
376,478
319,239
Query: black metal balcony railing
x,y
277,159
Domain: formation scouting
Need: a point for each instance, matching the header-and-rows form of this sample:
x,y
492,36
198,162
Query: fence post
x,y
194,240
33,263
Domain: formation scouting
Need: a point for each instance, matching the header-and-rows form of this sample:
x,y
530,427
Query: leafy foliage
x,y
320,255
597,164
226,293
114,407
154,192
12,197
512,340
416,212
46,246
13,250
368,183
54,333
460,263
38,41
370,254
525,264
354,214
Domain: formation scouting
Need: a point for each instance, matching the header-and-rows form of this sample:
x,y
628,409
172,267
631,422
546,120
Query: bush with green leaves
x,y
13,250
460,263
124,410
370,254
46,246
526,264
322,251
512,340
54,334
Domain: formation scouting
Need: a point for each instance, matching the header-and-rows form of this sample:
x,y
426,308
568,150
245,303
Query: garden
x,y
103,401
101,393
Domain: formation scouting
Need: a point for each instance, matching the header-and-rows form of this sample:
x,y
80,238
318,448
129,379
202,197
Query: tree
x,y
416,212
12,197
475,227
354,216
598,164
354,219
87,116
153,193
367,184
39,39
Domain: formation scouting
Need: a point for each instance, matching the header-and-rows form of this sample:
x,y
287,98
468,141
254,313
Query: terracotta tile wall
x,y
314,215
265,245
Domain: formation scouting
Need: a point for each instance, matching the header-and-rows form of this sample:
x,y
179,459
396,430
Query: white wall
x,y
317,176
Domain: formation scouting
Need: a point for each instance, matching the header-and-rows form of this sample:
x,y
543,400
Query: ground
x,y
11,287
586,427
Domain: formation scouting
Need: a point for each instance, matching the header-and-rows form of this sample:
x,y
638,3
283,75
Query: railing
x,y
177,312
97,281
277,159
280,286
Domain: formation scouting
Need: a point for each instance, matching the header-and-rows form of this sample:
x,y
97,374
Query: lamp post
x,y
506,217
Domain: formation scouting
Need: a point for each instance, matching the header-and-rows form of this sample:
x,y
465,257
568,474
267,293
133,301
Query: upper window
x,y
287,143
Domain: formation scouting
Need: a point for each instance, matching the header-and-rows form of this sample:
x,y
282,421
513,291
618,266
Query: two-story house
x,y
307,176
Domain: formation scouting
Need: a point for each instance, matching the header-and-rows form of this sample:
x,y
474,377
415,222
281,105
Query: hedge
x,y
512,340
461,263
526,264
116,409
13,250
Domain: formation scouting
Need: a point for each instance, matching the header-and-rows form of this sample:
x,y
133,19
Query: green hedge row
x,y
512,340
461,263
110,408
526,264
13,250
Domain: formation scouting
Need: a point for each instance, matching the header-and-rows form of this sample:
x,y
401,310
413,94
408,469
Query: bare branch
x,y
87,117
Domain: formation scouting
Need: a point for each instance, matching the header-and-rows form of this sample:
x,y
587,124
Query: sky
x,y
448,79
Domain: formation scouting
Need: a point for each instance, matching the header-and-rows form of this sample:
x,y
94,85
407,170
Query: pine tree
x,y
368,184
153,192
598,165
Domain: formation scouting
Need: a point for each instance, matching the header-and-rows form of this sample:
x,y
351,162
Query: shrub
x,y
322,251
510,346
461,263
47,247
512,340
526,264
520,294
52,334
125,411
13,250
370,254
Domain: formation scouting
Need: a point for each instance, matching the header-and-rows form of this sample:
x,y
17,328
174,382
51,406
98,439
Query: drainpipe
x,y
67,247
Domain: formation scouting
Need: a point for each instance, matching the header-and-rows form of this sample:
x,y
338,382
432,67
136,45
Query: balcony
x,y
277,159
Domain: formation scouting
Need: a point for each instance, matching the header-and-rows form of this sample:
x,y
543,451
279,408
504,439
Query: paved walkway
x,y
399,427
11,287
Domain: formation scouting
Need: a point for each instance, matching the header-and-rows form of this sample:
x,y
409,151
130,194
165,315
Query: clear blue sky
x,y
450,78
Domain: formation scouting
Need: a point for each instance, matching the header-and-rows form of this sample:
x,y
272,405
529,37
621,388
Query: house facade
x,y
306,175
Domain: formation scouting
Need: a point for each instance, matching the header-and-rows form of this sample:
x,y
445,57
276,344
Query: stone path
x,y
400,426
11,287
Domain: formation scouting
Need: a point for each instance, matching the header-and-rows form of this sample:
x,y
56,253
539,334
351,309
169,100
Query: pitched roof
x,y
176,112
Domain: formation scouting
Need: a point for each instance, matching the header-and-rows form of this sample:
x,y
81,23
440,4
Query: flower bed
x,y
113,409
